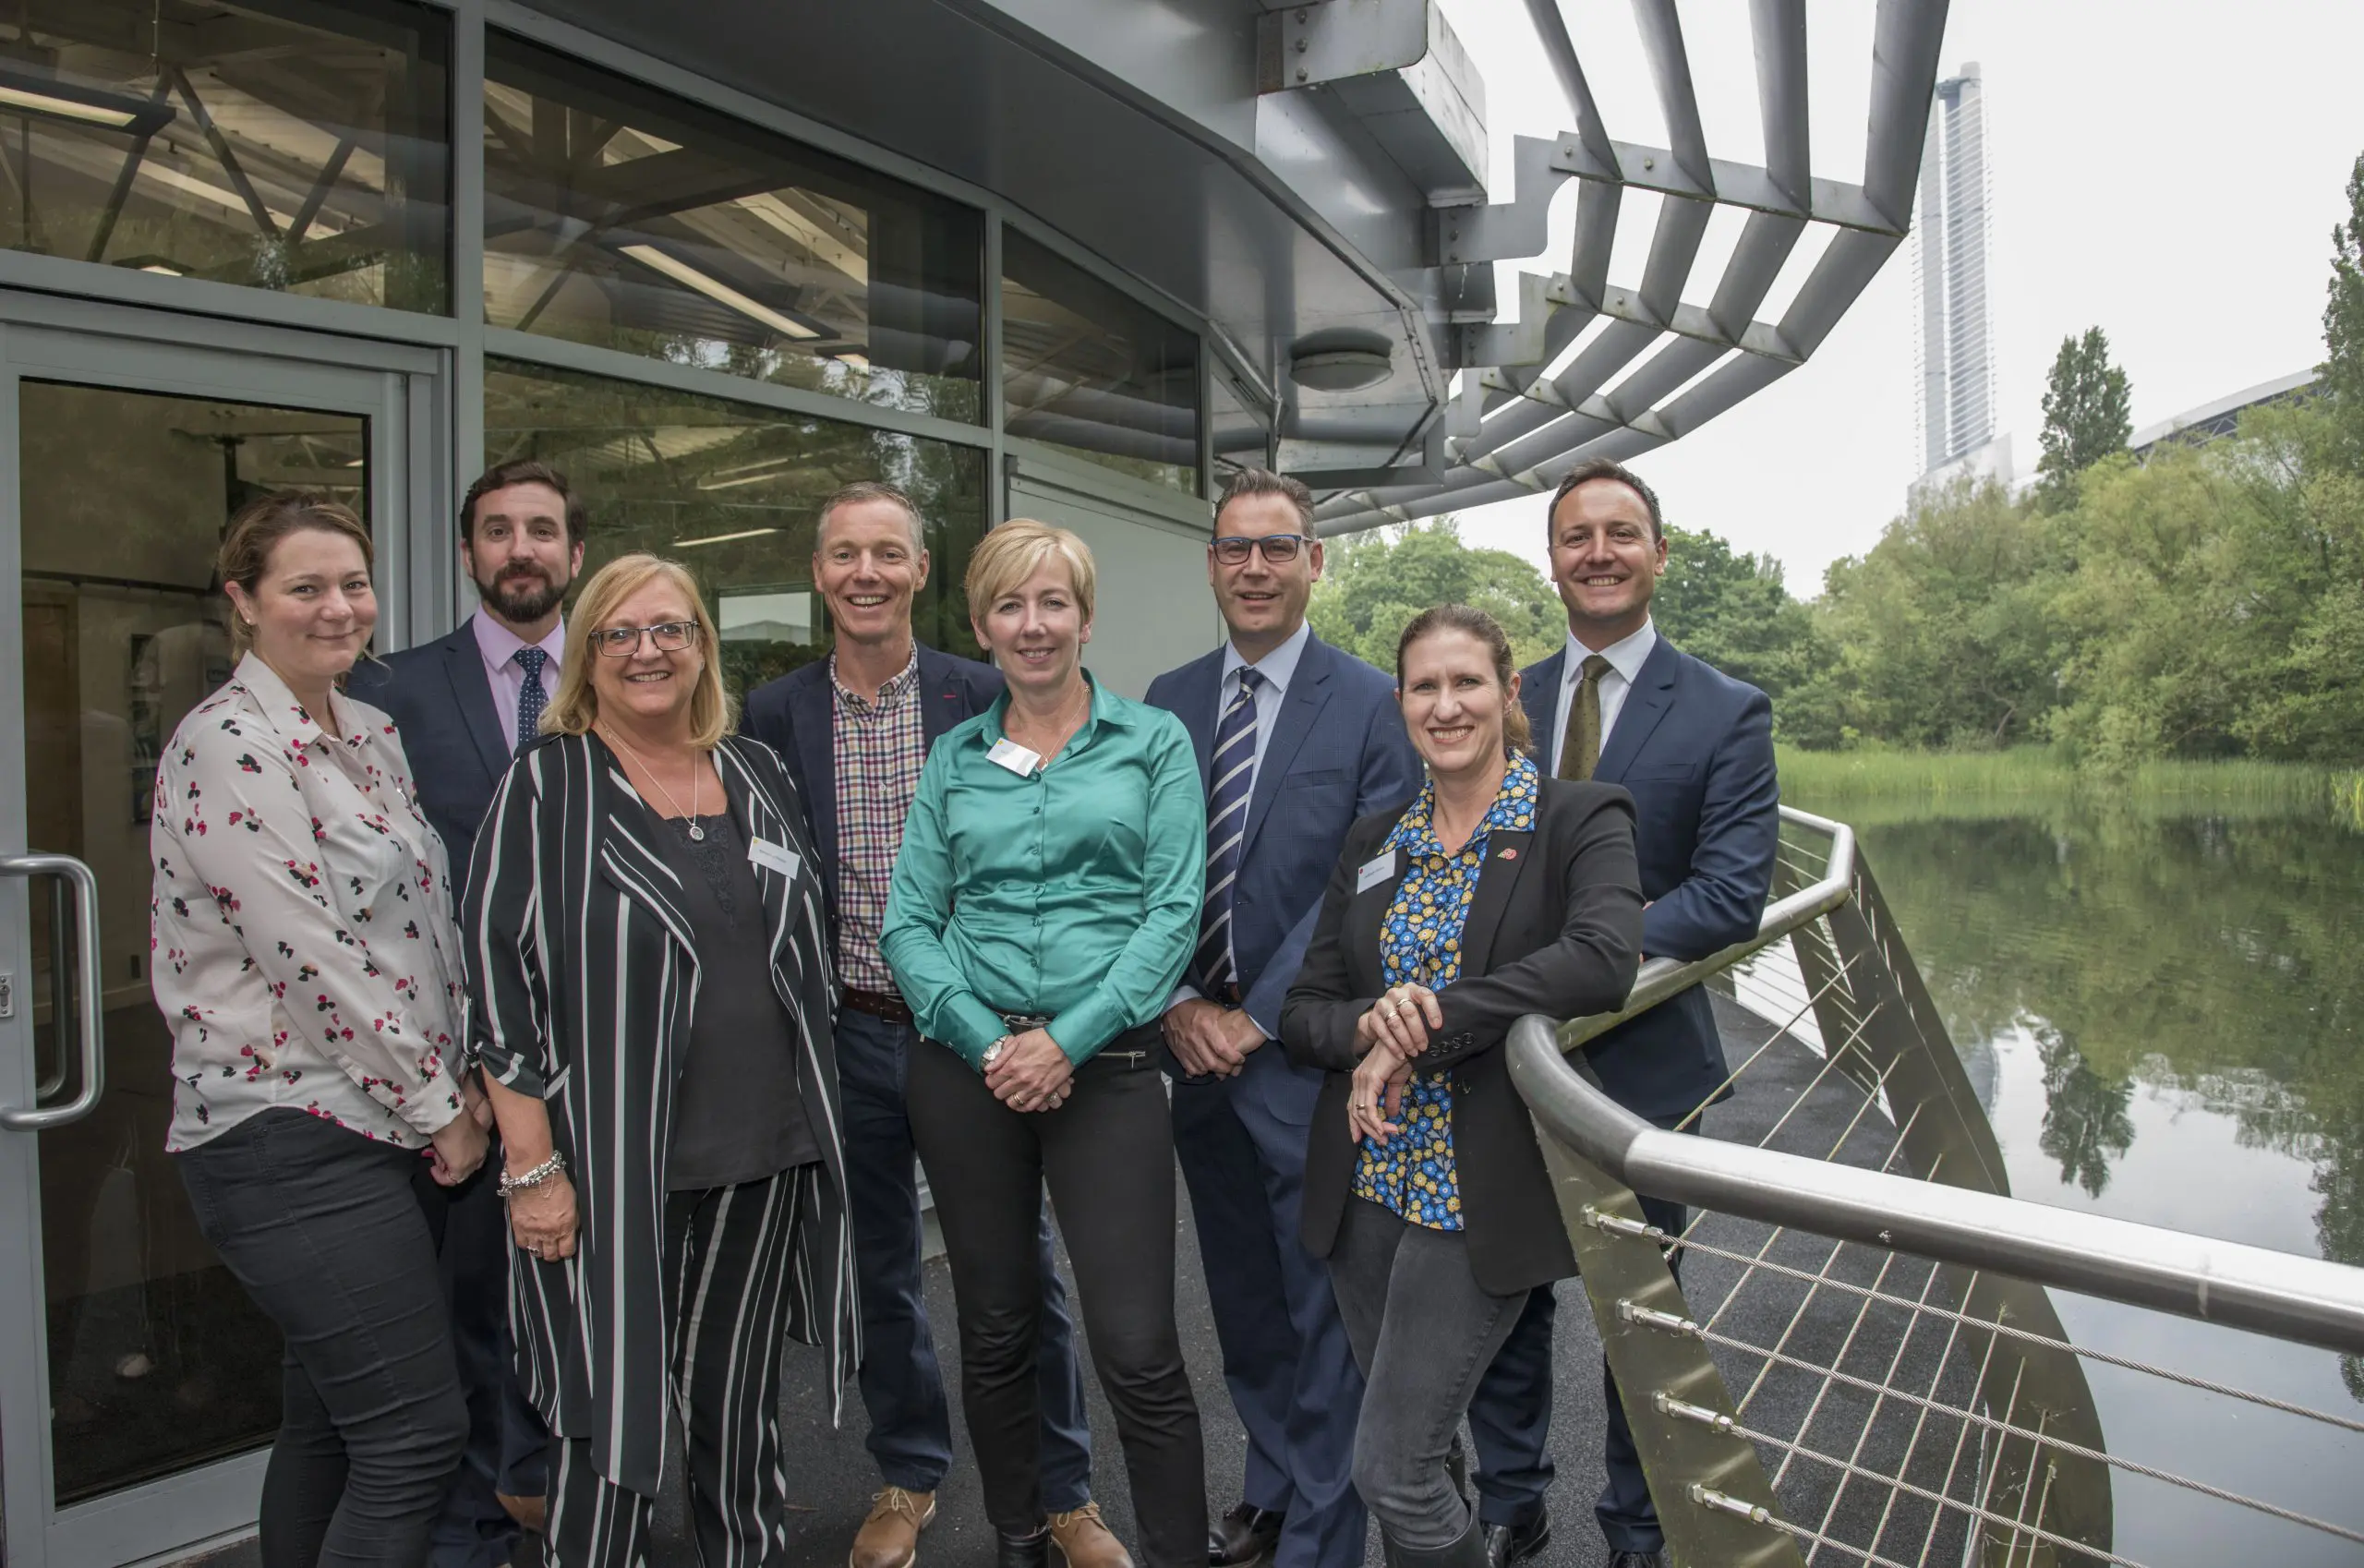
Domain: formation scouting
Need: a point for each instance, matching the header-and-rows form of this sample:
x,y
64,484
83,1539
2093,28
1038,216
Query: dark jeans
x,y
1107,1156
322,1228
1510,1422
902,1386
508,1445
1424,1333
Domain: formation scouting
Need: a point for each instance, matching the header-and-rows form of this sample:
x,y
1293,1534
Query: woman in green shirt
x,y
1044,902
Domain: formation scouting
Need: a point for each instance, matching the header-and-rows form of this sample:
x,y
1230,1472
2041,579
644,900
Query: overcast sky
x,y
2169,172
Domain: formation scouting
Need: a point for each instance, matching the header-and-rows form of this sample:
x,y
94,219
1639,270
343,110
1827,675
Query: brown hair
x,y
1015,552
575,706
1608,468
1517,734
1264,482
524,471
862,490
256,531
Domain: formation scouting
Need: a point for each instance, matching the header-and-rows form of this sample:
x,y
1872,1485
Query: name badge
x,y
1013,756
774,857
1376,869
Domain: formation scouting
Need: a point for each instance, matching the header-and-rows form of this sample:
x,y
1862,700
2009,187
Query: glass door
x,y
140,1385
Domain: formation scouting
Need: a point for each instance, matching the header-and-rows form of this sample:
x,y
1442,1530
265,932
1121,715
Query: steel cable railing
x,y
1905,1381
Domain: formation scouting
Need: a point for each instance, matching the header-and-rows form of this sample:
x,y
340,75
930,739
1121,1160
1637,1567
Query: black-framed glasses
x,y
623,642
1279,549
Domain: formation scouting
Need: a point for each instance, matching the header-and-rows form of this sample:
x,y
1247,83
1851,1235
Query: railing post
x,y
1695,1472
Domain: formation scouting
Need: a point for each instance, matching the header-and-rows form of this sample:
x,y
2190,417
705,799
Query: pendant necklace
x,y
696,832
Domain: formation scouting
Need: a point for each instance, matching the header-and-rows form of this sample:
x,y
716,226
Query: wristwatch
x,y
994,1050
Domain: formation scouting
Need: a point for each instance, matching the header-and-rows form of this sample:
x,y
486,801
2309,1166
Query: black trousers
x,y
323,1229
1107,1157
729,1251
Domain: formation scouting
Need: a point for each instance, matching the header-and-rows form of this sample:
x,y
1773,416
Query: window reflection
x,y
729,491
301,147
1088,369
620,217
1239,431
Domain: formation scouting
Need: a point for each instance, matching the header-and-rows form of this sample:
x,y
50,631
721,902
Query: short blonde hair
x,y
575,708
1015,552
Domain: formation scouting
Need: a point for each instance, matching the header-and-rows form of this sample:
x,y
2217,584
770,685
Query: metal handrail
x,y
2304,1299
89,1031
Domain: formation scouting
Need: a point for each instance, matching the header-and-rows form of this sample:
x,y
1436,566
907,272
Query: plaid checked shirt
x,y
879,748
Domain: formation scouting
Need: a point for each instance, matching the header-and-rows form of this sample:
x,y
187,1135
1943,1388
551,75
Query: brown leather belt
x,y
879,1004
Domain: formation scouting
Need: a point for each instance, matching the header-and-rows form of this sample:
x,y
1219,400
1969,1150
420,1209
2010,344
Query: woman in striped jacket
x,y
646,951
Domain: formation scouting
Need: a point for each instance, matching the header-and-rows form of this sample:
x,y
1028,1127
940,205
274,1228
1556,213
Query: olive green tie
x,y
1580,748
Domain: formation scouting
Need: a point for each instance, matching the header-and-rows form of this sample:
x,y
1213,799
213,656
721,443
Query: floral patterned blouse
x,y
303,947
1419,944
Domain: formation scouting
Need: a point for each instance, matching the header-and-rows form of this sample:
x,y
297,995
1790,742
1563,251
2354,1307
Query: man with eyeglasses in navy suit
x,y
1295,741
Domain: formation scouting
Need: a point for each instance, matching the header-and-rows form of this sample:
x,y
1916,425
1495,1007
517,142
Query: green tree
x,y
1374,583
2341,374
1734,611
2085,418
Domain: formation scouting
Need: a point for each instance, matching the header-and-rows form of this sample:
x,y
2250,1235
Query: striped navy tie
x,y
1230,779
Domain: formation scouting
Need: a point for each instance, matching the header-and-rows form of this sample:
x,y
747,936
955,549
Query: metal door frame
x,y
406,393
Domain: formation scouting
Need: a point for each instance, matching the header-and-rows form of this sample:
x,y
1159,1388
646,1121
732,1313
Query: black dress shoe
x,y
1242,1536
1023,1551
1506,1544
1635,1560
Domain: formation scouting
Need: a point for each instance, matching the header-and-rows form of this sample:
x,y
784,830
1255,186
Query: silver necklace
x,y
697,832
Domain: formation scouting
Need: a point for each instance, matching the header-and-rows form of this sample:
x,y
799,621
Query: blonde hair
x,y
1015,552
256,531
575,708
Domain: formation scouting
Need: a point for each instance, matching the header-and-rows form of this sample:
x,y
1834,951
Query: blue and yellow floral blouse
x,y
1419,944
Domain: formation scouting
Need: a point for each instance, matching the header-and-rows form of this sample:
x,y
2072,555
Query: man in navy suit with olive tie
x,y
1295,741
1622,705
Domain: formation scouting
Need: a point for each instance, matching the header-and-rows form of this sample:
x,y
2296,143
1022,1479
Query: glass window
x,y
1239,429
730,489
1088,369
617,216
299,147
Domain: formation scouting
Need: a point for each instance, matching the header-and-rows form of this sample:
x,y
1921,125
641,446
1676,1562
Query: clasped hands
x,y
460,1145
1031,1073
1390,1033
1209,1040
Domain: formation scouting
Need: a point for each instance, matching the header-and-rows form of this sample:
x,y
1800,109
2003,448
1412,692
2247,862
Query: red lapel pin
x,y
1508,854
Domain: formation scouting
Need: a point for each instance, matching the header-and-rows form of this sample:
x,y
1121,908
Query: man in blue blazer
x,y
462,705
1622,705
854,730
1295,741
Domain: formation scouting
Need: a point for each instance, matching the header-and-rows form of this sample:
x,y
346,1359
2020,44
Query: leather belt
x,y
1020,1022
879,1004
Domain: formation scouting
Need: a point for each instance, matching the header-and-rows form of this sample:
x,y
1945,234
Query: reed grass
x,y
2042,774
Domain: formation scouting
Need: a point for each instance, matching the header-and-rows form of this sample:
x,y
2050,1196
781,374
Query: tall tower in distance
x,y
1957,347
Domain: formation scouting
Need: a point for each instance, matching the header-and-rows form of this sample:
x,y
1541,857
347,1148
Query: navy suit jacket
x,y
1694,748
1337,753
440,700
793,716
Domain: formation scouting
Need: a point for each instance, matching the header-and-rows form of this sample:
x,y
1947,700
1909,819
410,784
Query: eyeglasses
x,y
1279,549
623,642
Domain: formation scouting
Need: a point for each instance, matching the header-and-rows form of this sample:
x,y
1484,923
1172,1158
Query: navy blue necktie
x,y
533,699
1230,776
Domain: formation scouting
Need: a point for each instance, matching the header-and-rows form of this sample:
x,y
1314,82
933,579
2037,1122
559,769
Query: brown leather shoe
x,y
889,1538
533,1512
1084,1542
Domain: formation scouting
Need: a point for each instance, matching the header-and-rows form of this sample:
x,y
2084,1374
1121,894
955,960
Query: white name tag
x,y
774,857
1013,756
1376,869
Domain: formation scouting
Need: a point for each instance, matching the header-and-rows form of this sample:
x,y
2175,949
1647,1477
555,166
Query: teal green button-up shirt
x,y
1071,892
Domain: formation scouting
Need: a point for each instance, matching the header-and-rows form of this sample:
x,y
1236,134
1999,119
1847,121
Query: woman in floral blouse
x,y
1496,893
306,960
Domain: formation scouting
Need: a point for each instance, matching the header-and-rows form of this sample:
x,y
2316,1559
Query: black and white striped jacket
x,y
583,972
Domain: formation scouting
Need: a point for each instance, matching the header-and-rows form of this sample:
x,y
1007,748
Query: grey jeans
x,y
1423,1334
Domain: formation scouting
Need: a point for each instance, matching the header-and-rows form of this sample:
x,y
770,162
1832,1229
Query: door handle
x,y
86,971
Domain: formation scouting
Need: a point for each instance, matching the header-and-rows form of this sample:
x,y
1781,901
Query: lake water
x,y
2165,1013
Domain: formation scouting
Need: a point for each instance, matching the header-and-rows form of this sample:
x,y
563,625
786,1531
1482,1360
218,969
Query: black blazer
x,y
1555,928
583,971
791,715
440,701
